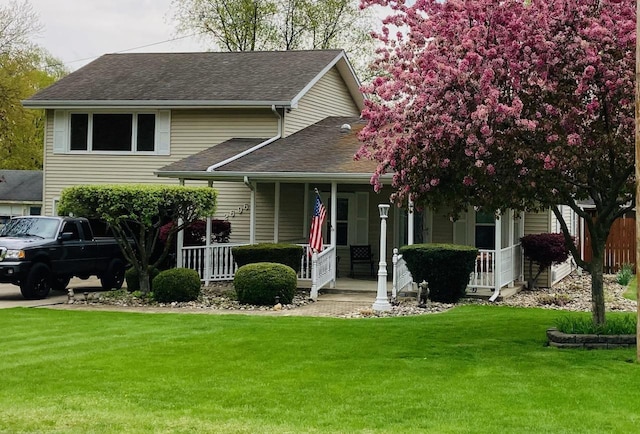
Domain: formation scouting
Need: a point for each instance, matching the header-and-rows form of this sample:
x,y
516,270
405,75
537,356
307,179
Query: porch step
x,y
486,293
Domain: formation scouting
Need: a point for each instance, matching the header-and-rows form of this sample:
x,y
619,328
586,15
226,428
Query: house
x,y
266,129
20,193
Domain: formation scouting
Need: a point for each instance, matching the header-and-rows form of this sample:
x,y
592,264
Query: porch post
x,y
252,216
334,233
511,243
208,260
497,259
276,213
179,238
410,217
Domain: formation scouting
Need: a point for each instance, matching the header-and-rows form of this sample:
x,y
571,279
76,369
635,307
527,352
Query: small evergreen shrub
x,y
133,279
177,284
544,250
445,267
625,274
287,254
584,325
262,282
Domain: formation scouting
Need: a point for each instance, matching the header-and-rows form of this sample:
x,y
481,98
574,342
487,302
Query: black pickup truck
x,y
43,253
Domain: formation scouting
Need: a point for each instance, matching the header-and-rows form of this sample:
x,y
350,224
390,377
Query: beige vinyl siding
x,y
537,223
442,231
328,97
265,200
291,223
560,271
191,131
234,200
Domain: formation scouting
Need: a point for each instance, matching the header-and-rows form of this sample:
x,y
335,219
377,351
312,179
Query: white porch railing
x,y
323,270
401,275
215,263
482,275
511,260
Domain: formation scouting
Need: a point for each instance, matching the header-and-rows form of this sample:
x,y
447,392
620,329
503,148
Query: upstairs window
x,y
120,133
112,132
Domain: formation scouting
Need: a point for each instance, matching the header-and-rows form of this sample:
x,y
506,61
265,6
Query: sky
x,y
78,31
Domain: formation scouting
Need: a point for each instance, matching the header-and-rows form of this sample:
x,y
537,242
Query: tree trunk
x,y
145,286
597,289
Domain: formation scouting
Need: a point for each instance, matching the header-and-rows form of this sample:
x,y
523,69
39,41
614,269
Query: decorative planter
x,y
590,342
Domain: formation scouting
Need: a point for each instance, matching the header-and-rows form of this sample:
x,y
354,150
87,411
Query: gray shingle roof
x,y
20,186
276,76
319,148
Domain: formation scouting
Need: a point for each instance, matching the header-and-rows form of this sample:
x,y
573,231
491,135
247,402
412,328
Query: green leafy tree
x,y
24,69
254,25
136,213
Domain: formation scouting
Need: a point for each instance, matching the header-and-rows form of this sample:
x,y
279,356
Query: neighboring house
x,y
20,193
266,129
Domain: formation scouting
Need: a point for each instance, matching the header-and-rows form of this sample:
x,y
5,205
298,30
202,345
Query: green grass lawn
x,y
632,289
474,369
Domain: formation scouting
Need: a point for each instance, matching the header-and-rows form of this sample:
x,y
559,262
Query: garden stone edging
x,y
570,340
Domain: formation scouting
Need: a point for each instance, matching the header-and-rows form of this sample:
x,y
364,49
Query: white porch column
x,y
179,238
276,213
497,259
334,213
511,229
252,216
334,233
208,260
410,226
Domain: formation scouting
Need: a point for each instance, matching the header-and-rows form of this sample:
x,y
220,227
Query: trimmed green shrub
x,y
287,254
262,282
133,279
445,267
176,284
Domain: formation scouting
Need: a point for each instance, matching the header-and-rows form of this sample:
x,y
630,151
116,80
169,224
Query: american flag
x,y
315,236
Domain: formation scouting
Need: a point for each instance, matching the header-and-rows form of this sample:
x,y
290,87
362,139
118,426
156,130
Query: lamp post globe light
x,y
382,301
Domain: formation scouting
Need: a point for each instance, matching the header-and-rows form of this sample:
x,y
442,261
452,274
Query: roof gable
x,y
196,79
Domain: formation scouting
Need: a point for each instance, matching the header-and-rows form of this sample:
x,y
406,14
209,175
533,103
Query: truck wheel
x,y
114,276
37,284
60,283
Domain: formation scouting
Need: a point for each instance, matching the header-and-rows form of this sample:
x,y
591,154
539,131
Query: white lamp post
x,y
382,302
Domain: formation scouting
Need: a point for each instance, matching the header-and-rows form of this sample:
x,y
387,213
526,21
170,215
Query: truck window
x,y
71,227
86,230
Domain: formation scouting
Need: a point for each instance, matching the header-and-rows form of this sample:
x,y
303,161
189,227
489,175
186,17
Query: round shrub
x,y
445,267
133,280
262,282
176,284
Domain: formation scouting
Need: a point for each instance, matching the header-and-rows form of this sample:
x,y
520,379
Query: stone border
x,y
591,342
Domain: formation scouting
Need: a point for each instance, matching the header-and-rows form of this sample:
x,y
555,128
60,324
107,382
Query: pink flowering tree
x,y
511,104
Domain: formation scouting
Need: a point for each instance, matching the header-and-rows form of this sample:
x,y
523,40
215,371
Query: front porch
x,y
318,271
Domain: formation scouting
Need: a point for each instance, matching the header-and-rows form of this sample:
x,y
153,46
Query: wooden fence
x,y
621,244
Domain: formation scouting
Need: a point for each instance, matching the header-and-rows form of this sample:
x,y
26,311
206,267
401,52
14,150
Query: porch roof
x,y
322,151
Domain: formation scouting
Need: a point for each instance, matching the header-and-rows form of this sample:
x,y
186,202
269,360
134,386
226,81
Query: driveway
x,y
10,295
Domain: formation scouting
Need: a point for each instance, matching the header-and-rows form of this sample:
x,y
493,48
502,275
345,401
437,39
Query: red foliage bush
x,y
544,250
